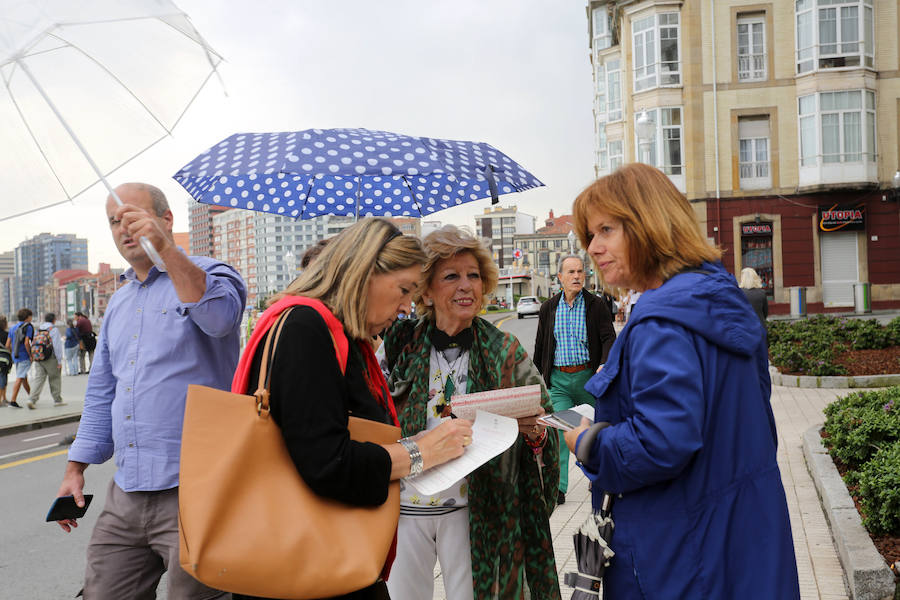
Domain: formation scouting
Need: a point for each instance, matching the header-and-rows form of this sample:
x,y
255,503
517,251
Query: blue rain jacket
x,y
691,450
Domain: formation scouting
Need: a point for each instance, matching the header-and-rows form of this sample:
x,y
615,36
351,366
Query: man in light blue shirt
x,y
162,330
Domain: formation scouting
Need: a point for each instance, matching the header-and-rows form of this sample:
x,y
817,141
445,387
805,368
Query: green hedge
x,y
863,432
810,345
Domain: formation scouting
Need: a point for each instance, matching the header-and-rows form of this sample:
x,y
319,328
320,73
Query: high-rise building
x,y
200,232
779,123
37,259
499,225
7,282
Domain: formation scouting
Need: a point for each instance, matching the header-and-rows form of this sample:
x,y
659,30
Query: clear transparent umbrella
x,y
88,85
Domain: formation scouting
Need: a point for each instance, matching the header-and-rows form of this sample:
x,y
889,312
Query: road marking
x,y
25,461
500,323
40,437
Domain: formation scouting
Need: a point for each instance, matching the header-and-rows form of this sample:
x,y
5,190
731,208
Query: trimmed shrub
x,y
879,490
860,424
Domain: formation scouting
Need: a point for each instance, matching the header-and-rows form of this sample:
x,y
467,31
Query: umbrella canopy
x,y
359,172
88,86
592,552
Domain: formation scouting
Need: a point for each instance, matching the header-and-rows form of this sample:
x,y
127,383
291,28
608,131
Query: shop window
x,y
756,252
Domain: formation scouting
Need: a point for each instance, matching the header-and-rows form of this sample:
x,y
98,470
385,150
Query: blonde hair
x,y
340,275
447,242
750,279
660,229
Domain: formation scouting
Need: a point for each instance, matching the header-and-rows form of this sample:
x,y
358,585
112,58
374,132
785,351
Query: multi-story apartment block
x,y
200,230
778,120
234,242
38,258
7,283
408,225
499,225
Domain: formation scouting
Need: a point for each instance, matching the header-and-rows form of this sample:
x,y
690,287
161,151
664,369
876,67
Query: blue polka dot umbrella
x,y
306,174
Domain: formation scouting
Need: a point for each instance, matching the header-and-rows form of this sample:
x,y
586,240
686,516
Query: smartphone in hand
x,y
64,507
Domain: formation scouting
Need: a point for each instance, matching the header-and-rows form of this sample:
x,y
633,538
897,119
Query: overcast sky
x,y
513,73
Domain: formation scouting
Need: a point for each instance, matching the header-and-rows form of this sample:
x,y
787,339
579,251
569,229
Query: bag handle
x,y
268,357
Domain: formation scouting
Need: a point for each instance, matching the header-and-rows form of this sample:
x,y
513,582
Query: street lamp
x,y
645,129
571,237
290,264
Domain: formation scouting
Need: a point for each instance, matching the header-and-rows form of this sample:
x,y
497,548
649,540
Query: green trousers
x,y
567,390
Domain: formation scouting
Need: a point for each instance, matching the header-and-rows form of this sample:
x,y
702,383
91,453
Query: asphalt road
x,y
38,560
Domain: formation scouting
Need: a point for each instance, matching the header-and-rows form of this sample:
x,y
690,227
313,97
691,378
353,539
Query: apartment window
x,y
600,93
751,47
616,154
656,64
613,90
834,33
839,127
601,148
664,149
601,29
753,153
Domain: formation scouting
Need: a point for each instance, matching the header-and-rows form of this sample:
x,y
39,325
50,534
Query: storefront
x,y
827,244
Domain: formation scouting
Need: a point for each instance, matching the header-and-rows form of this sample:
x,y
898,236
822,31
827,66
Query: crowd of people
x,y
680,438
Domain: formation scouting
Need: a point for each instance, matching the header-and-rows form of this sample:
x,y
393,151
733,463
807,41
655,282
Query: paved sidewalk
x,y
796,409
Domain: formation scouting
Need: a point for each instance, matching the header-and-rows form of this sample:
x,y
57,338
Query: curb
x,y
868,575
40,424
833,381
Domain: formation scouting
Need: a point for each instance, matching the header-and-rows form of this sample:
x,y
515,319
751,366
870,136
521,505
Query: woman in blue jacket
x,y
700,509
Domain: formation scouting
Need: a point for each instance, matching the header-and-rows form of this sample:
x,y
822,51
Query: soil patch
x,y
883,361
887,545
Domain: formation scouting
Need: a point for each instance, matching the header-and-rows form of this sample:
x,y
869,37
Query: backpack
x,y
6,360
19,339
41,345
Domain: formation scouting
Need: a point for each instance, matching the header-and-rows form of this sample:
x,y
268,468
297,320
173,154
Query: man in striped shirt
x,y
574,335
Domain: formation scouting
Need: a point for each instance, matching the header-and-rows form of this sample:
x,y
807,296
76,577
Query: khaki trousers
x,y
46,370
134,542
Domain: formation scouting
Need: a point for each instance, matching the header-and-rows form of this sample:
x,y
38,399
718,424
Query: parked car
x,y
528,305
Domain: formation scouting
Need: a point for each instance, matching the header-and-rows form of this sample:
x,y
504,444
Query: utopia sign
x,y
842,218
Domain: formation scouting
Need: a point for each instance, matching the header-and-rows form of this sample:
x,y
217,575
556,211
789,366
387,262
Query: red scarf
x,y
374,377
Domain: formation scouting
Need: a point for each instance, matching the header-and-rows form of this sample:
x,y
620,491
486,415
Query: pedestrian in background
x,y
6,363
19,342
46,362
490,530
685,437
87,342
71,348
574,334
163,330
311,399
756,295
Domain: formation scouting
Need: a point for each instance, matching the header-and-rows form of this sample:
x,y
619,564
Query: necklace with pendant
x,y
450,369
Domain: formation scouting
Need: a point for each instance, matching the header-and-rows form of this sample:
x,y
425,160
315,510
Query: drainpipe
x,y
712,18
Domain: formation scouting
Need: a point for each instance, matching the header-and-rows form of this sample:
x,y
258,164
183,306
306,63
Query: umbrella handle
x,y
152,253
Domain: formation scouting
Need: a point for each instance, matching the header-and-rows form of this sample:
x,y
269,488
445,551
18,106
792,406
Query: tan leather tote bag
x,y
247,521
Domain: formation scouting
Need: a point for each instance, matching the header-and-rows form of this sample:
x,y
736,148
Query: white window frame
x,y
602,36
754,165
600,91
846,164
614,89
752,58
616,151
813,54
649,69
602,155
658,156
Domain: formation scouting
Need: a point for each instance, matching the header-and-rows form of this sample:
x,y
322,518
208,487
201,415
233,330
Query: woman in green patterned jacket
x,y
504,506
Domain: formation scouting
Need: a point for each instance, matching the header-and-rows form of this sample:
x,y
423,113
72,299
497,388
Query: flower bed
x,y
824,345
862,434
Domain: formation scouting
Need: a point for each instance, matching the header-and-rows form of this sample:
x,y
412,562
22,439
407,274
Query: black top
x,y
757,299
4,335
600,333
311,400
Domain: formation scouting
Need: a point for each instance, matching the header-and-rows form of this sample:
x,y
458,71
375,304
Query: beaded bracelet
x,y
537,444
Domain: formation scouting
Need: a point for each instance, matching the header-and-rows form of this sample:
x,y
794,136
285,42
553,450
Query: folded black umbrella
x,y
592,552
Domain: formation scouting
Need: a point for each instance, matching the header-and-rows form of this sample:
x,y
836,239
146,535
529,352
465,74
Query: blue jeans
x,y
72,360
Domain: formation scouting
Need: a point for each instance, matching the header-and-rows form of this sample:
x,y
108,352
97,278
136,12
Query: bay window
x,y
663,150
655,45
834,33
